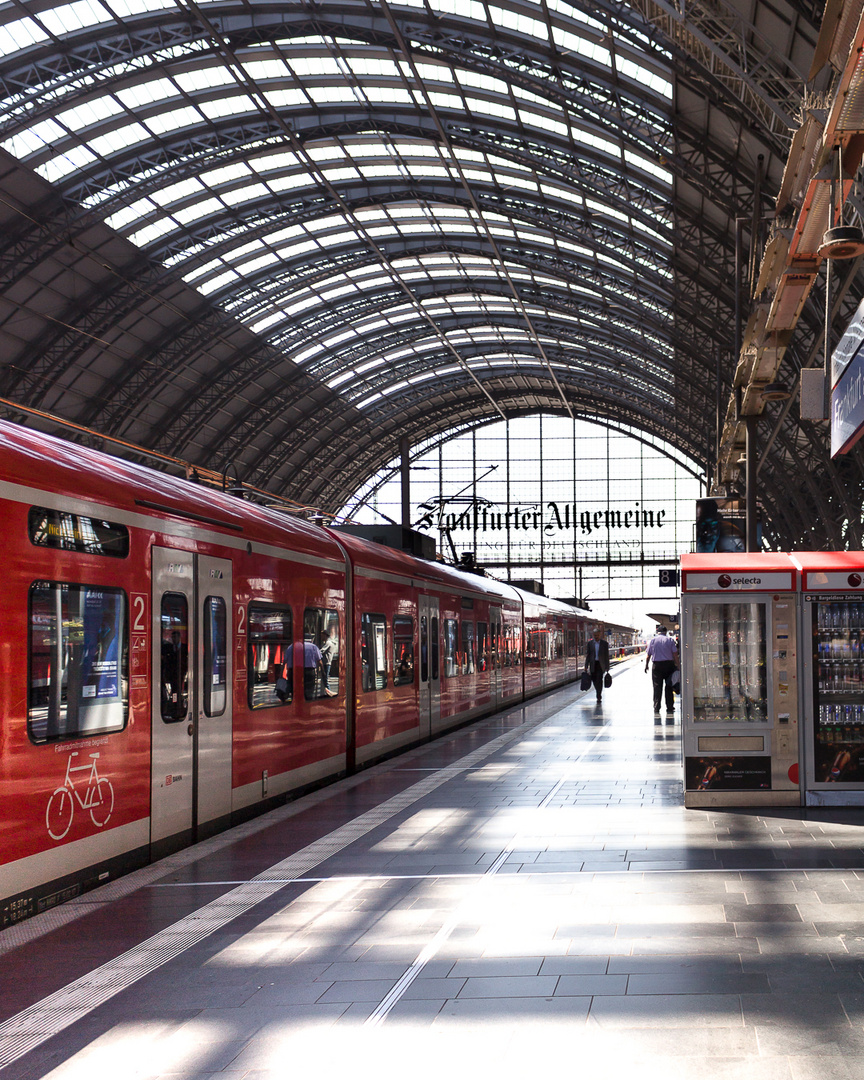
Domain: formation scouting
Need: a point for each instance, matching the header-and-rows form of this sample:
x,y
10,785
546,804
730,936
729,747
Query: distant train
x,y
176,659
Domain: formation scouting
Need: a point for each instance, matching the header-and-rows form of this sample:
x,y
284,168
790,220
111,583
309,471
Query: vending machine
x,y
739,661
832,684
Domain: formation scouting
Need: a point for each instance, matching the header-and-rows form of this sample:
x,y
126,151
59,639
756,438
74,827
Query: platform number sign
x,y
668,578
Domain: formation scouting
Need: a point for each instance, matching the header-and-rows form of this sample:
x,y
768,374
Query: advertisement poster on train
x,y
100,665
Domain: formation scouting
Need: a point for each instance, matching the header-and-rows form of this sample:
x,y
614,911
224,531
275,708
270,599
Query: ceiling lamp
x,y
842,242
775,391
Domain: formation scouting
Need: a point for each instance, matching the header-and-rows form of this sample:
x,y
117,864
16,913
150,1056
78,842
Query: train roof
x,y
43,463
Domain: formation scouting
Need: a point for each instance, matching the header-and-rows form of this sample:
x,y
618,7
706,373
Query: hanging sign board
x,y
847,387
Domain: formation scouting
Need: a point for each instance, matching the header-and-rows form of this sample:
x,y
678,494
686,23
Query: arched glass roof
x,y
246,233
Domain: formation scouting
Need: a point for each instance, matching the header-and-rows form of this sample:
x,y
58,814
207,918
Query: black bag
x,y
586,680
675,681
607,680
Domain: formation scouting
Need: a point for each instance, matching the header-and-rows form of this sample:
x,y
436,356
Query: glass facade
x,y
590,511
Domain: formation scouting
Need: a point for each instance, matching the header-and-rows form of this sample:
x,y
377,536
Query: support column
x,y
405,474
750,481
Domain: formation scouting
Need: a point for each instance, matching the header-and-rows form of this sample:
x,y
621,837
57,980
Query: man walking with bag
x,y
663,651
597,660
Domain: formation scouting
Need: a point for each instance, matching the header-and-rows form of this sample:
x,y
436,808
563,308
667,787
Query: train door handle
x,y
190,730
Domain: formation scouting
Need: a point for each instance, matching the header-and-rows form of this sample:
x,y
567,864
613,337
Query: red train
x,y
176,659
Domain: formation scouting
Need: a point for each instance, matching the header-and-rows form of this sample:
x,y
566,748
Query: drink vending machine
x,y
739,660
832,686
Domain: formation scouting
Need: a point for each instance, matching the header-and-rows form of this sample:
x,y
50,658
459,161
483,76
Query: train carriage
x,y
175,659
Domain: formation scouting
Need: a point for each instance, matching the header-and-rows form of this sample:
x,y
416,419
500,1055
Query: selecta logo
x,y
724,581
854,580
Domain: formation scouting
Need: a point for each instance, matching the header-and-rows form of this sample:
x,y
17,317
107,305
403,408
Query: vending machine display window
x,y
838,688
729,669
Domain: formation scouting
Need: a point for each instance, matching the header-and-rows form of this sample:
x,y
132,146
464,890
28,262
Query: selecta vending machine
x,y
740,661
832,683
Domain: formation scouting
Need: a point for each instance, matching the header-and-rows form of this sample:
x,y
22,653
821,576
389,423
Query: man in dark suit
x,y
597,660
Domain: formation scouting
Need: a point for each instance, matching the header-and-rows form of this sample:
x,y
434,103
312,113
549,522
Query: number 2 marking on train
x,y
241,620
139,613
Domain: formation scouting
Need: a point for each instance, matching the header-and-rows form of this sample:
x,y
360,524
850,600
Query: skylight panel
x,y
322,95
175,120
482,82
225,174
316,66
35,139
140,7
127,214
204,78
290,97
70,161
267,322
199,210
152,232
469,9
588,138
450,101
230,105
68,17
90,112
18,35
569,42
178,192
290,182
644,77
246,269
265,69
576,14
373,67
427,72
545,123
386,93
147,93
214,284
515,20
248,193
648,166
494,108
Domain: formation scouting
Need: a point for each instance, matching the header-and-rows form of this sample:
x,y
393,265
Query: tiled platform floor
x,y
526,895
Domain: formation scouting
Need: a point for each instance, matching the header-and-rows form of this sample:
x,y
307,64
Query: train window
x,y
174,670
321,670
271,678
73,532
424,649
451,648
435,648
403,650
571,644
373,651
482,646
558,644
78,661
467,647
215,656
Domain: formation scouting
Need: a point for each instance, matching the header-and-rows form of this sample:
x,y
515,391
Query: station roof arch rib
x,y
242,234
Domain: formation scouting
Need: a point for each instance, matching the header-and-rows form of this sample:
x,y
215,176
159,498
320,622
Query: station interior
x,y
558,297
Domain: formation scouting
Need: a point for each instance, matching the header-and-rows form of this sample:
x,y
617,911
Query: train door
x,y
496,641
191,719
430,672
